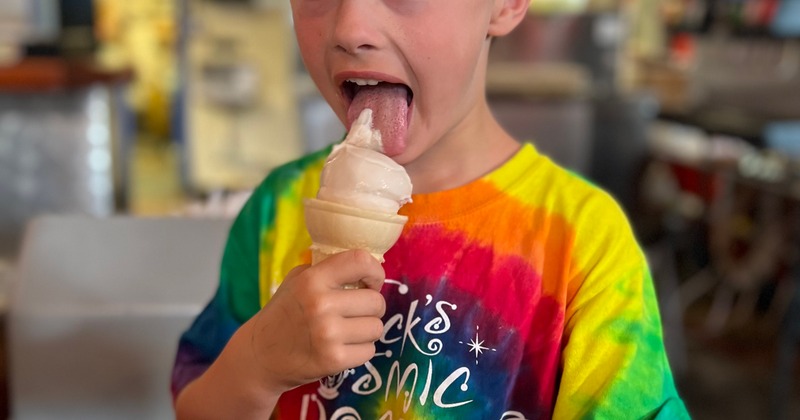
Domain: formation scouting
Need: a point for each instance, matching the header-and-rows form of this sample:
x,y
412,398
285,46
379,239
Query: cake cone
x,y
335,228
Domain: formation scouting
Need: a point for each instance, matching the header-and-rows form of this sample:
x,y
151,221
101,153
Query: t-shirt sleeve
x,y
613,360
235,301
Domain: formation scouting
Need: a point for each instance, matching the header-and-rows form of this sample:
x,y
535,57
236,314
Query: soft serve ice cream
x,y
358,174
361,190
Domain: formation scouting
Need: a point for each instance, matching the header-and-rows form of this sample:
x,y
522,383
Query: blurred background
x,y
131,132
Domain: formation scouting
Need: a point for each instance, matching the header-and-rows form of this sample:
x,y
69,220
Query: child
x,y
516,290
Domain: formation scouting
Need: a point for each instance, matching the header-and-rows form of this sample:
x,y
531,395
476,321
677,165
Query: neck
x,y
469,151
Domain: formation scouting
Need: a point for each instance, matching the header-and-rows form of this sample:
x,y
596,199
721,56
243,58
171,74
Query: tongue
x,y
389,113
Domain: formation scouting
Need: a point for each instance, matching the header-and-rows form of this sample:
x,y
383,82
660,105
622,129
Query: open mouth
x,y
392,106
352,87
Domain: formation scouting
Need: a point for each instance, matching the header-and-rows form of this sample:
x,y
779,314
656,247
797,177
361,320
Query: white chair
x,y
96,310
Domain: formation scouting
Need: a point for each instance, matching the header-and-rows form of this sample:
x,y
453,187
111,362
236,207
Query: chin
x,y
407,156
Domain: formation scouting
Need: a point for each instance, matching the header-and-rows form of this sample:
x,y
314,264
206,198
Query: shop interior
x,y
131,133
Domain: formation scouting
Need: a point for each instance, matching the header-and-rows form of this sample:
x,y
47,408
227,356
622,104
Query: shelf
x,y
729,122
537,80
41,74
755,33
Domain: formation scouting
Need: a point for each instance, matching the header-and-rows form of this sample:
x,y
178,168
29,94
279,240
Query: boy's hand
x,y
312,327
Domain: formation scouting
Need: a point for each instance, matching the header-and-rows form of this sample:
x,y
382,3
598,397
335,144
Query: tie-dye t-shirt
x,y
520,295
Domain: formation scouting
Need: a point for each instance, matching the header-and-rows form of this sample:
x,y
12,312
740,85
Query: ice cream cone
x,y
335,228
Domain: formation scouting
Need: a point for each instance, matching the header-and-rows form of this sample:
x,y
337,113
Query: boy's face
x,y
432,53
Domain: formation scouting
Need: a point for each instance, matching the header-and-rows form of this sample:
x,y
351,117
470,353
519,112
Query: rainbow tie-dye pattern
x,y
520,295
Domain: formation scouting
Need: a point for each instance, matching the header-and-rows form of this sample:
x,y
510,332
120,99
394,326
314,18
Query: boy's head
x,y
428,55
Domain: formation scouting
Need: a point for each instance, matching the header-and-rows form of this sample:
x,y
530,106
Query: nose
x,y
353,31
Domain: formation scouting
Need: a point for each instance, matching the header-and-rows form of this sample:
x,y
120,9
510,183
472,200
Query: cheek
x,y
311,48
454,67
308,38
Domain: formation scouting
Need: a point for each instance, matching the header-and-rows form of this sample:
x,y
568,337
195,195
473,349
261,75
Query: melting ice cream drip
x,y
362,134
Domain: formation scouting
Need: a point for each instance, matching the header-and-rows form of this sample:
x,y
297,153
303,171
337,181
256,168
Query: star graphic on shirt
x,y
476,345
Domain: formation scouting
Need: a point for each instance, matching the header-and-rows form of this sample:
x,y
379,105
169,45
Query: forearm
x,y
232,387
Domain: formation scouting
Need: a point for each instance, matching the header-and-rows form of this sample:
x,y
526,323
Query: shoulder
x,y
569,195
604,247
596,224
604,253
590,208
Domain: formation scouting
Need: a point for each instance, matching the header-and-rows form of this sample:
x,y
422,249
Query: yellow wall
x,y
231,147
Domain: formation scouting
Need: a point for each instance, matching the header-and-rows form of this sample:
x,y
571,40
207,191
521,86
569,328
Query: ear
x,y
506,15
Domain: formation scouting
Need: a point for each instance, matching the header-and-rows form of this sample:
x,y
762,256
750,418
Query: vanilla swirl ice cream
x,y
358,174
361,190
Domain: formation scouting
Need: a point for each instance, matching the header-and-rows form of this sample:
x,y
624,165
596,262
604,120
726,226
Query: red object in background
x,y
682,49
767,12
760,13
702,183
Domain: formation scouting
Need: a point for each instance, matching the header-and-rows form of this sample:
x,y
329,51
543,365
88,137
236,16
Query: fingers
x,y
315,326
346,357
360,302
297,270
359,354
351,267
362,330
332,334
